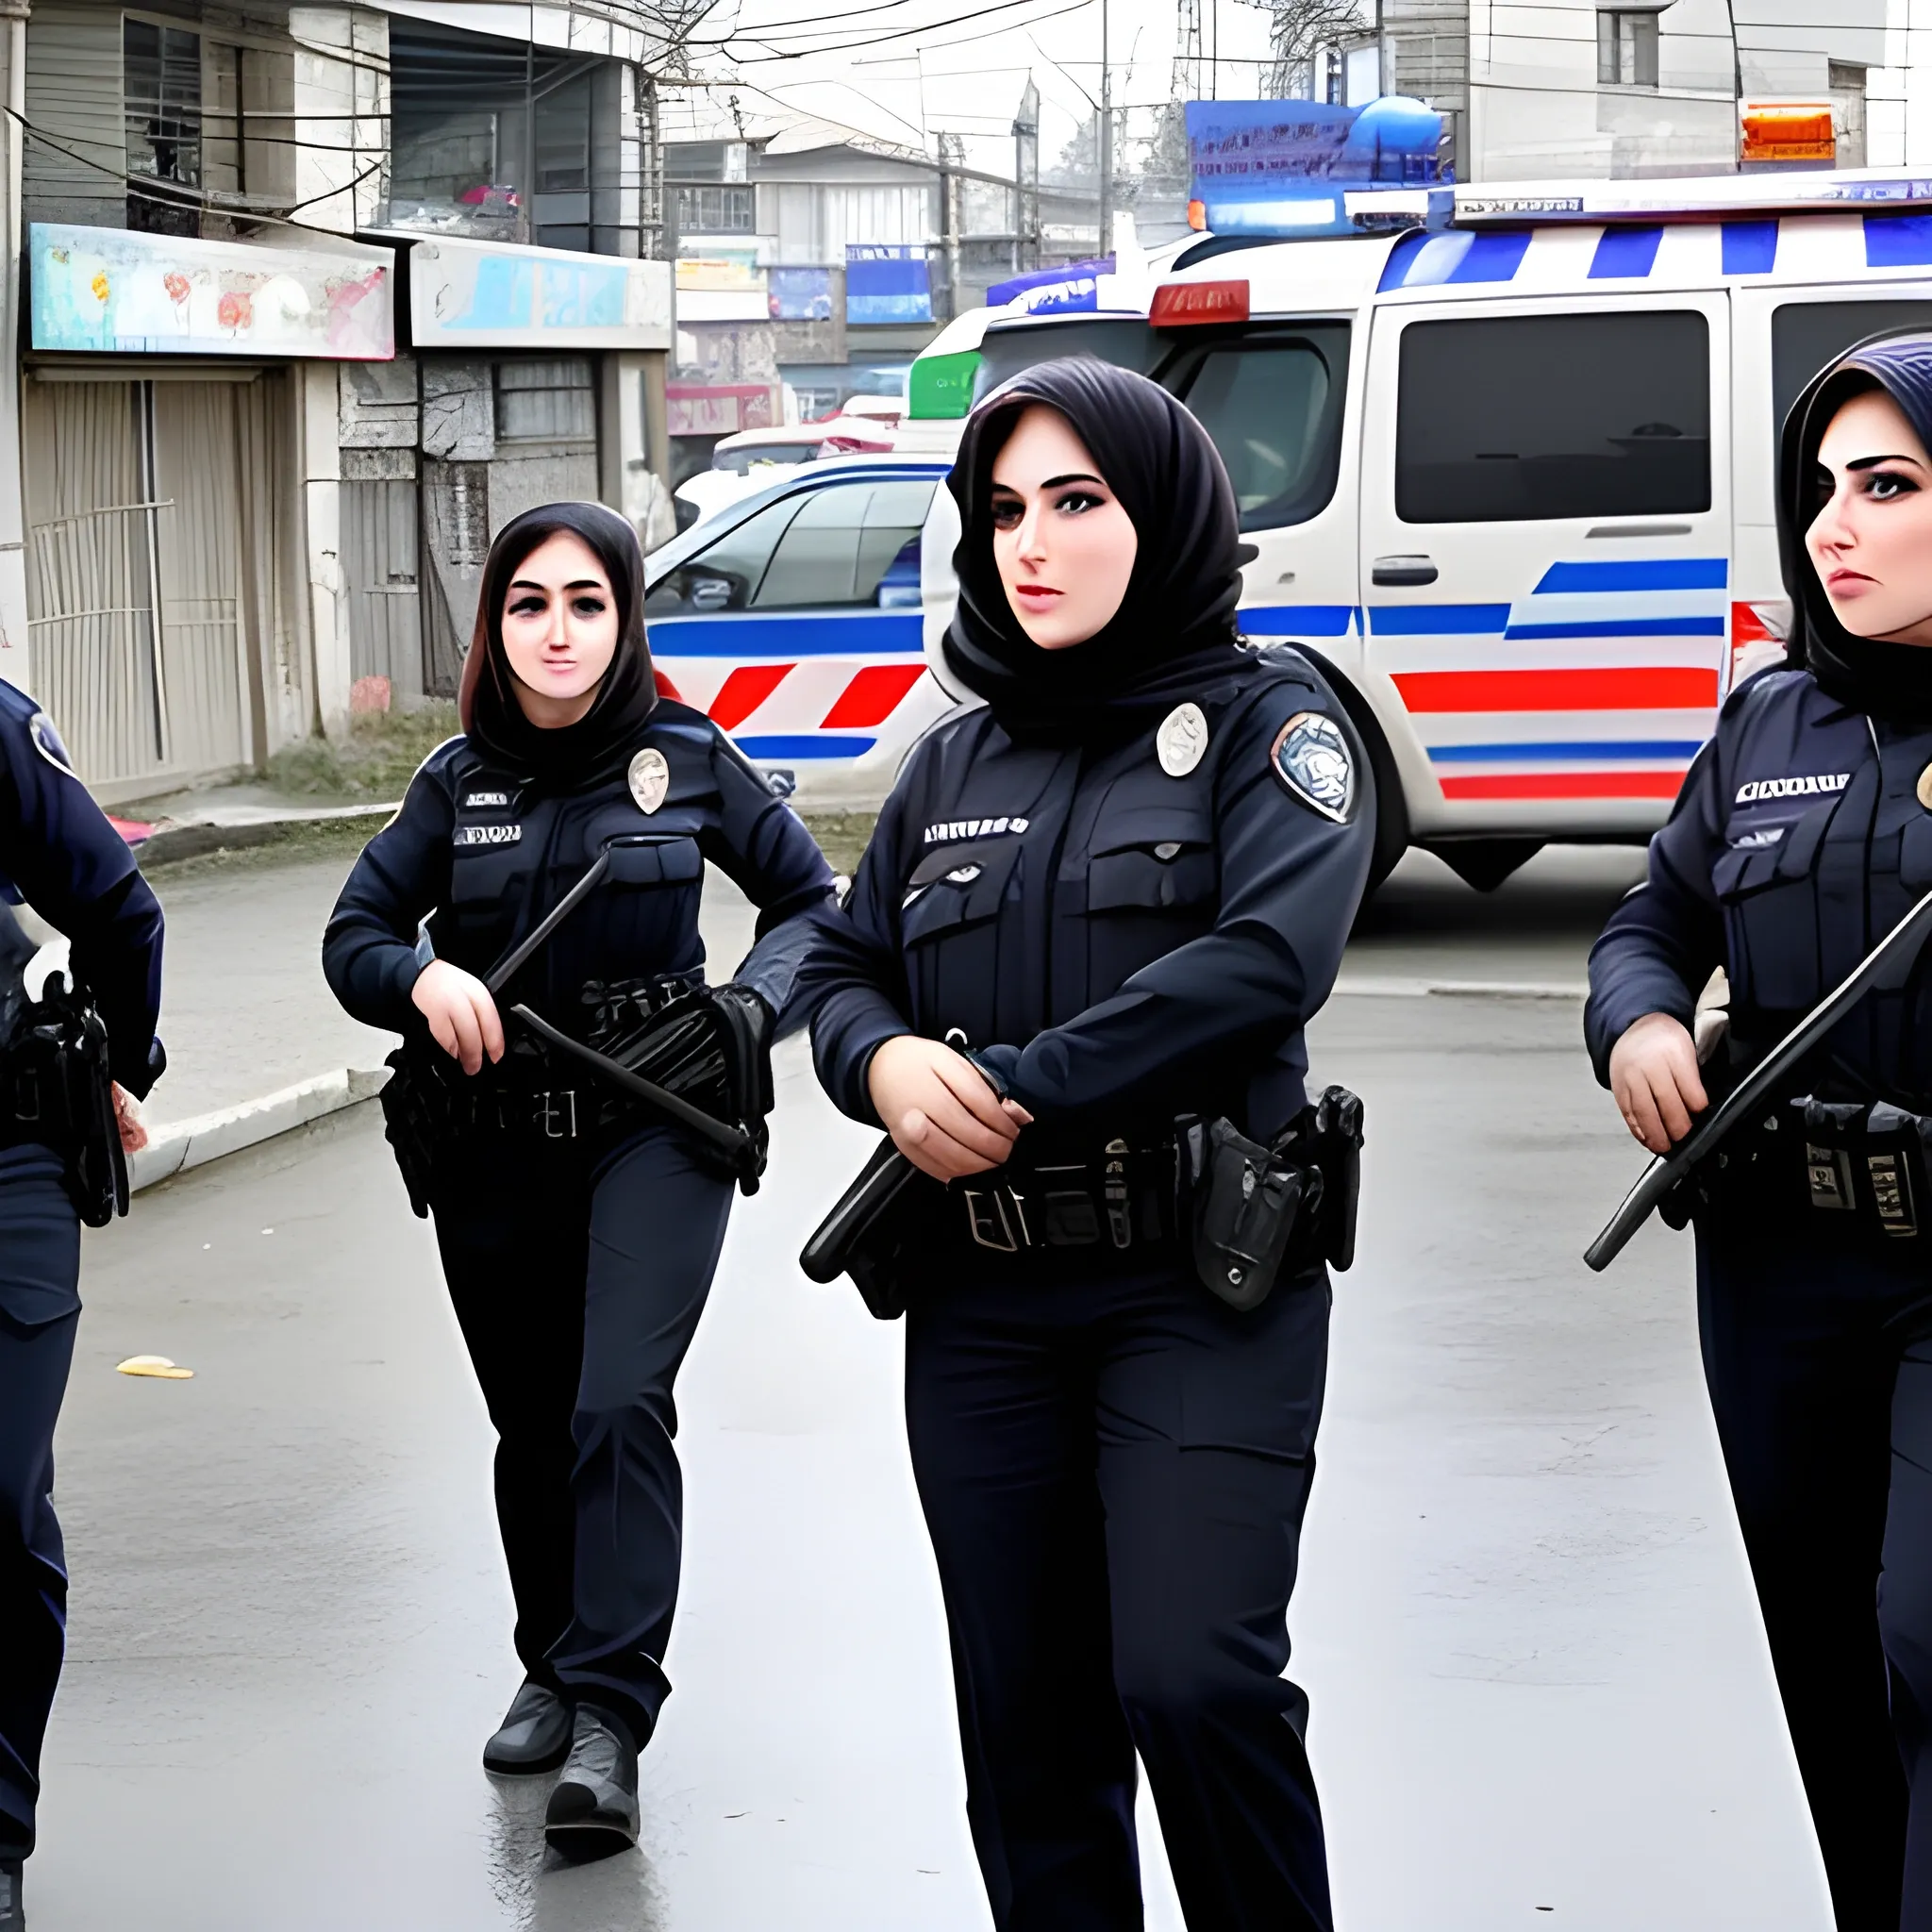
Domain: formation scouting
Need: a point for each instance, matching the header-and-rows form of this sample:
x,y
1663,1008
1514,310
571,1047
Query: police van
x,y
1507,458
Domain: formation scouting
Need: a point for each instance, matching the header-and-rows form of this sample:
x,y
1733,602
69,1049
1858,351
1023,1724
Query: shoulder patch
x,y
1311,759
39,727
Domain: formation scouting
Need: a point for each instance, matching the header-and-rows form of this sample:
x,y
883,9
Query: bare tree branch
x,y
1299,30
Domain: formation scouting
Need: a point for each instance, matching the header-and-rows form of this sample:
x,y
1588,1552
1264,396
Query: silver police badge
x,y
1311,759
650,780
1182,741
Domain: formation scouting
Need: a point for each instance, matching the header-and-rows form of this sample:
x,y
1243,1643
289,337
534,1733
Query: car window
x,y
1508,418
842,544
726,575
1274,408
1804,336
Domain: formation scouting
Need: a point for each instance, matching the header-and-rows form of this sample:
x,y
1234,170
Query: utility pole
x,y
1027,178
1105,140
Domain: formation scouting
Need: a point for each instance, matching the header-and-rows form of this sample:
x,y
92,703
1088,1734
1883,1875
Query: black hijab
x,y
1869,674
568,757
1174,631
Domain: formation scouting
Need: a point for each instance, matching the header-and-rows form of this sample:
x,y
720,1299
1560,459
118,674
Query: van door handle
x,y
1402,570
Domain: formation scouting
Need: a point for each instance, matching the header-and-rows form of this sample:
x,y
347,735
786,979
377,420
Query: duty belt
x,y
1123,1198
1861,1165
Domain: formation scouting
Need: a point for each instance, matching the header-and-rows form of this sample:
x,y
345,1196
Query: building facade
x,y
1651,87
309,301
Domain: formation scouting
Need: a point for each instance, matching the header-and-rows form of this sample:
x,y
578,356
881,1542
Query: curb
x,y
183,1144
194,840
1460,989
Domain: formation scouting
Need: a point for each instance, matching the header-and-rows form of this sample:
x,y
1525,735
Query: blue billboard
x,y
886,281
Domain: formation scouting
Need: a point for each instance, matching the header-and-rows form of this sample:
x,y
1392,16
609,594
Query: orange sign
x,y
1787,131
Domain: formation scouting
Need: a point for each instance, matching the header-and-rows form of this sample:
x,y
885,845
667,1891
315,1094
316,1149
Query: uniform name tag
x,y
1808,786
952,830
488,835
487,798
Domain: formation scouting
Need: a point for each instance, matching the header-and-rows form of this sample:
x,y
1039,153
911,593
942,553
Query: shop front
x,y
179,554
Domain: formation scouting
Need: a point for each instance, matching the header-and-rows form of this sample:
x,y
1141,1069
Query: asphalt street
x,y
1539,1691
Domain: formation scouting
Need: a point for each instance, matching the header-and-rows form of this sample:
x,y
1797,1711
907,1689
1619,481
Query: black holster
x,y
1257,1213
56,1089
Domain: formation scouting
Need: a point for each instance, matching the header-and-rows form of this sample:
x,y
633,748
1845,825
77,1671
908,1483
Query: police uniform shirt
x,y
60,855
1121,939
489,853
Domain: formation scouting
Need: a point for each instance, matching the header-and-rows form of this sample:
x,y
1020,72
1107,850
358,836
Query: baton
x,y
877,1186
734,1140
499,974
1666,1169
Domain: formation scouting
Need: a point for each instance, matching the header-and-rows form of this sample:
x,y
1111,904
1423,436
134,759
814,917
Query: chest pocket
x,y
648,906
1769,899
1153,883
949,928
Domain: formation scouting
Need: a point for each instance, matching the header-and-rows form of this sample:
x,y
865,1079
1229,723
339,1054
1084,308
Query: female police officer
x,y
1125,882
578,1232
1804,832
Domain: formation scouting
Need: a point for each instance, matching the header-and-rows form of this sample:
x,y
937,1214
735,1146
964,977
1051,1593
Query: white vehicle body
x,y
1511,481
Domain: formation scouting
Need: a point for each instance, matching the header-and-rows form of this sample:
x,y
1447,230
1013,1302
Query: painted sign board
x,y
466,294
123,293
718,408
886,281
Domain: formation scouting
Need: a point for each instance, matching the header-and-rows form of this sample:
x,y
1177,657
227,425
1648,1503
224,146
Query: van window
x,y
1804,336
726,575
1502,419
1125,341
1274,408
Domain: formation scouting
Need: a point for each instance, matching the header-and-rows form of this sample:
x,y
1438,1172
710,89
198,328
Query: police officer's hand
x,y
127,1121
462,1014
1654,1076
943,1117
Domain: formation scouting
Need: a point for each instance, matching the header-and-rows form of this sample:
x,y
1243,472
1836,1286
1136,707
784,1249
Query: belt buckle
x,y
985,1214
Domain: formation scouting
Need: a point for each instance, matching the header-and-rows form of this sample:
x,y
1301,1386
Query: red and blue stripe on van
x,y
1601,683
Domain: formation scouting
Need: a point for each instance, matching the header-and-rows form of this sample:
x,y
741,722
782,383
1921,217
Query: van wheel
x,y
1485,863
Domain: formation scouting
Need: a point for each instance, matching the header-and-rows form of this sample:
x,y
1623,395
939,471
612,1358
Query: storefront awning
x,y
466,294
127,293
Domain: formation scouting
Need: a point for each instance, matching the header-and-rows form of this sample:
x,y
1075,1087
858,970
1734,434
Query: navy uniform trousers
x,y
577,1281
1819,1360
1114,1473
39,1309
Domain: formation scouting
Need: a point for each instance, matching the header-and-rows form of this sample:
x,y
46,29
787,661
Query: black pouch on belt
x,y
1245,1205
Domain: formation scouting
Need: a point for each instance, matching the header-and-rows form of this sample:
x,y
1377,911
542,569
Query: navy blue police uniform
x,y
1801,838
578,1248
60,854
1113,1465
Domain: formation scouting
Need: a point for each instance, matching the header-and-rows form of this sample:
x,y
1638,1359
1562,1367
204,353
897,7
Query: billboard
x,y
886,281
131,294
499,295
801,294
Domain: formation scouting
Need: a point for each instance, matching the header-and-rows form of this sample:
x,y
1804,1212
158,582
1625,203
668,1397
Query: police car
x,y
1507,456
792,617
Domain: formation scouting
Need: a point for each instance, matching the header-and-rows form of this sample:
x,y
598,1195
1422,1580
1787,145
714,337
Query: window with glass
x,y
1274,407
1625,48
160,84
552,401
1804,336
1506,419
851,545
724,210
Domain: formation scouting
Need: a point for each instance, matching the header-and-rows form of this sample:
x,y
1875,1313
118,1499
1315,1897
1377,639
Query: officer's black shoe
x,y
12,1912
593,1810
534,1736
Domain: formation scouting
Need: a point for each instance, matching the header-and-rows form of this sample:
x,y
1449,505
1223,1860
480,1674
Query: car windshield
x,y
741,462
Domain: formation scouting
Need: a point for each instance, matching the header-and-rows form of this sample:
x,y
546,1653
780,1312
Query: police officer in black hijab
x,y
578,1227
1110,897
1802,833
